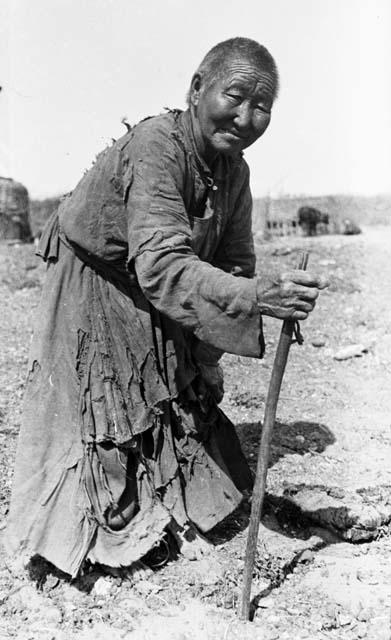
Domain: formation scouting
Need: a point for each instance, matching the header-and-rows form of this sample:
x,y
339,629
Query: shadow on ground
x,y
295,437
298,437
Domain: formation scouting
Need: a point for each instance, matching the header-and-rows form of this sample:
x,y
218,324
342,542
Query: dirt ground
x,y
323,569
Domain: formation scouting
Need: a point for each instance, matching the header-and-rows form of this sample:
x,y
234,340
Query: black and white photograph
x,y
195,320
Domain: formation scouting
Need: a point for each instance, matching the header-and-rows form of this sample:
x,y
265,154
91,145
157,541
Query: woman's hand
x,y
213,377
290,294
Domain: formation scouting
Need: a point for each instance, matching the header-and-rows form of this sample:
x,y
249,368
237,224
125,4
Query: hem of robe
x,y
67,529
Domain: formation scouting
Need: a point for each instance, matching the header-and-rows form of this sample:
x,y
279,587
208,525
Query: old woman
x,y
150,279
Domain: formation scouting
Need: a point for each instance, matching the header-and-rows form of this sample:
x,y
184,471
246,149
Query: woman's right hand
x,y
289,294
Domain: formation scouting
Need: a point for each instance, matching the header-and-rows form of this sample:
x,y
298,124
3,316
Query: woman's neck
x,y
208,157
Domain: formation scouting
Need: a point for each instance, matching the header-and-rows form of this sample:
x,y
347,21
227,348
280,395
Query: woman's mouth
x,y
233,134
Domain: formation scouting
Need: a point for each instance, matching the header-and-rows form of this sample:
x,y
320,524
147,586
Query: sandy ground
x,y
324,565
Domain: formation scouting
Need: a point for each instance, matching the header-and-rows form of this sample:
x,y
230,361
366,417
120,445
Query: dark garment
x,y
141,258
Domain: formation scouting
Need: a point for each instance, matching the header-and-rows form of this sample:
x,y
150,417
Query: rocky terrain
x,y
323,569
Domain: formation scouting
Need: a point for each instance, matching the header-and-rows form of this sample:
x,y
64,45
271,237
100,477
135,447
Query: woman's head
x,y
231,95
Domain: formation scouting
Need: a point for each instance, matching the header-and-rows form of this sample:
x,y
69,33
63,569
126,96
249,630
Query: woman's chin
x,y
228,143
228,148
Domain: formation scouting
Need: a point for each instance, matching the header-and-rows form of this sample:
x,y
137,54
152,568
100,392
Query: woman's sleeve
x,y
235,253
219,308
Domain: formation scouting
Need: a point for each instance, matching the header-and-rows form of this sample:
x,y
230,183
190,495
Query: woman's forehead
x,y
244,66
246,73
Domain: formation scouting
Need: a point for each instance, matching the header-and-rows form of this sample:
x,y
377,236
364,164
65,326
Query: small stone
x,y
273,619
331,610
327,262
300,439
355,607
317,625
51,582
367,577
364,615
336,492
344,619
352,351
318,342
281,251
52,614
307,556
145,587
68,607
272,634
102,587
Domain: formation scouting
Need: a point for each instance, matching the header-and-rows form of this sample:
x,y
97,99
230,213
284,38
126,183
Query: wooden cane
x,y
279,364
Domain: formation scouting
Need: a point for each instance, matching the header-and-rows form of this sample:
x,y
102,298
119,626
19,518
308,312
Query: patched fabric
x,y
150,265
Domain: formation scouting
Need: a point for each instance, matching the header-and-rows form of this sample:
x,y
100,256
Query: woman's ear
x,y
195,88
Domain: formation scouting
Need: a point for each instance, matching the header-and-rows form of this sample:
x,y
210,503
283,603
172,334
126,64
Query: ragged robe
x,y
150,272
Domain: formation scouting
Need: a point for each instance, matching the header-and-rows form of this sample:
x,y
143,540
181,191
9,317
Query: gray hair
x,y
216,61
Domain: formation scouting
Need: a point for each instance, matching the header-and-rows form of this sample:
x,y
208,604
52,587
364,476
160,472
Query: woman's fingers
x,y
323,282
300,305
299,315
306,278
291,294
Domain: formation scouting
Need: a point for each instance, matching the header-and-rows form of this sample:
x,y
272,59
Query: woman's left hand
x,y
289,294
213,377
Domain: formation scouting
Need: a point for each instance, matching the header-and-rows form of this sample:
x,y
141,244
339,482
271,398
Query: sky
x,y
71,69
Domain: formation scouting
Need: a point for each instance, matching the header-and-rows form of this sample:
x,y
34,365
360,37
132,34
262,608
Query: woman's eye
x,y
235,96
263,109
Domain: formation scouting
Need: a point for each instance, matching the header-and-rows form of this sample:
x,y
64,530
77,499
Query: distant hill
x,y
359,209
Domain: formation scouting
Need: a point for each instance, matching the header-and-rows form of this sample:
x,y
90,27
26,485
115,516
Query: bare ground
x,y
323,568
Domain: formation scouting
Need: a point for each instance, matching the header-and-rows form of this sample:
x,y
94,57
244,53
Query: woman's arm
x,y
235,253
219,308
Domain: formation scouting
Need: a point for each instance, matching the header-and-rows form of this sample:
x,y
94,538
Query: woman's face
x,y
235,109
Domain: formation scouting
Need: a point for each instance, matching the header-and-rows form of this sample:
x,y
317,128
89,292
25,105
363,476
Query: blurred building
x,y
14,211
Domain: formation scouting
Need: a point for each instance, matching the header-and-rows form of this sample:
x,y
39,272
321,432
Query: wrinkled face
x,y
235,110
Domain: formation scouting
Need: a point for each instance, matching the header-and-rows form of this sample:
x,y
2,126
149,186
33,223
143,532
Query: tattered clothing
x,y
150,266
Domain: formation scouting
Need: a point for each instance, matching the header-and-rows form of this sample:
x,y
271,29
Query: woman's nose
x,y
243,116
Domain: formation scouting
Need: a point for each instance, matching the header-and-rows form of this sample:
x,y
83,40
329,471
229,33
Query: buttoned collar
x,y
221,164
